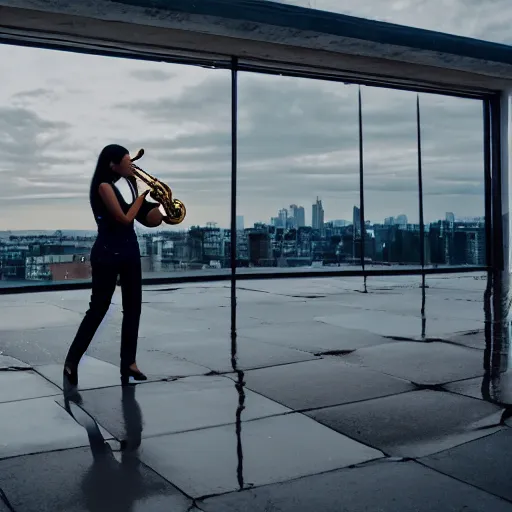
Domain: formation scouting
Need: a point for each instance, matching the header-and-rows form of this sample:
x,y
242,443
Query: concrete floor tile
x,y
155,322
36,315
157,364
24,384
496,389
382,487
422,363
78,481
186,404
11,363
37,425
484,463
386,323
471,339
269,450
50,344
321,383
215,353
314,336
413,424
92,373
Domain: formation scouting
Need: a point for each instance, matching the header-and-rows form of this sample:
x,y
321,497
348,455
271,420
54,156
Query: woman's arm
x,y
154,218
149,215
109,198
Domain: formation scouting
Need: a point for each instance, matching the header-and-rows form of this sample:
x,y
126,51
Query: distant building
x,y
283,218
318,215
297,214
78,269
239,222
259,248
450,217
57,267
356,220
468,246
401,220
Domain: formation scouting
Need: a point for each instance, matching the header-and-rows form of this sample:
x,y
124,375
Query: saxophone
x,y
174,209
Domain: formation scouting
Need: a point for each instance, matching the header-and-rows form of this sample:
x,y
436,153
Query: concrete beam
x,y
264,34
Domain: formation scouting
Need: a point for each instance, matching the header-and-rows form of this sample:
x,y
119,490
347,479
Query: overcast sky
x,y
298,138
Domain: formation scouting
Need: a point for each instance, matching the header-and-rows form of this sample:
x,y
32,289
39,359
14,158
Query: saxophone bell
x,y
174,209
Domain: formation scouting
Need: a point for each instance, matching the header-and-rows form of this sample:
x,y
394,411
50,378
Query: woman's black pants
x,y
107,264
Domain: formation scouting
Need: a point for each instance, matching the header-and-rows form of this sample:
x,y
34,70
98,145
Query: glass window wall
x,y
298,170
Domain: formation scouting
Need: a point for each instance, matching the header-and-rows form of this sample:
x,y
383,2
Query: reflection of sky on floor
x,y
322,378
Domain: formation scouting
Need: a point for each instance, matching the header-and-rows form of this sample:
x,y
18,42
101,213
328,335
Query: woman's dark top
x,y
108,227
116,240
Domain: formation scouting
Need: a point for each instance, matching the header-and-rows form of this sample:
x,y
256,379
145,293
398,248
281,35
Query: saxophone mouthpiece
x,y
139,154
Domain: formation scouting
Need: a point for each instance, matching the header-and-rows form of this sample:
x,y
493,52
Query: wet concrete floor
x,y
330,397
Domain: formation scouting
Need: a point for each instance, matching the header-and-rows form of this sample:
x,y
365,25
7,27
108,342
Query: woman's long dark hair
x,y
103,173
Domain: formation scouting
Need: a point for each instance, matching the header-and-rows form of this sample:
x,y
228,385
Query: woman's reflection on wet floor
x,y
110,485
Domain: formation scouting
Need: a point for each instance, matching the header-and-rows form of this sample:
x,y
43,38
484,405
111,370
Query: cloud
x,y
199,103
29,142
297,138
304,128
50,196
40,92
471,18
152,75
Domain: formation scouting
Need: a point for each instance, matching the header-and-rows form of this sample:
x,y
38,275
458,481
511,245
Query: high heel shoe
x,y
129,372
71,376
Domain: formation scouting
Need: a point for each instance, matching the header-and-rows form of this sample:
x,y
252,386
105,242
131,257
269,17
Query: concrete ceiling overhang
x,y
262,35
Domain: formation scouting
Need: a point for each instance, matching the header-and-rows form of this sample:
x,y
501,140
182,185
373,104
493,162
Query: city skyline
x,y
241,224
66,255
298,138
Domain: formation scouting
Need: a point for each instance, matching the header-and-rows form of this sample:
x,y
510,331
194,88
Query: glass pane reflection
x,y
298,173
179,114
391,200
453,181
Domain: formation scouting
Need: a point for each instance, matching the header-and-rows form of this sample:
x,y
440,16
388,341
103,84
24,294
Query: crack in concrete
x,y
250,486
429,387
284,294
334,353
6,501
381,460
400,338
432,340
